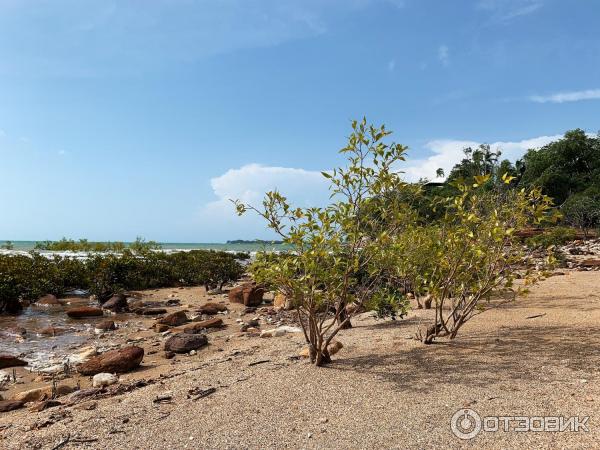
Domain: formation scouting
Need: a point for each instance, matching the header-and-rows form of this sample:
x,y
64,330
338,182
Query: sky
x,y
144,118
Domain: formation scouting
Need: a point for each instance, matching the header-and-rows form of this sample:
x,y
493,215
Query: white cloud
x,y
562,97
506,10
443,55
249,184
447,152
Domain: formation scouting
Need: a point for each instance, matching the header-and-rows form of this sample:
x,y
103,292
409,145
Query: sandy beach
x,y
384,388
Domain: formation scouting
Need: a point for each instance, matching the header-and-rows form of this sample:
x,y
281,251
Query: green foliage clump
x,y
83,245
552,237
27,277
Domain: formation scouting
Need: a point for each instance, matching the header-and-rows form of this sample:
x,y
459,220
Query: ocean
x,y
250,247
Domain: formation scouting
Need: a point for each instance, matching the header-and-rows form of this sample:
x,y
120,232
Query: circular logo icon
x,y
465,424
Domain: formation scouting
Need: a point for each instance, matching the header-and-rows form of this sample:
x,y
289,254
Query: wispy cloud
x,y
443,55
506,10
448,152
563,97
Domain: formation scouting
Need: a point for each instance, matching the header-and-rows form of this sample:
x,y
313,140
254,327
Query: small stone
x,y
104,379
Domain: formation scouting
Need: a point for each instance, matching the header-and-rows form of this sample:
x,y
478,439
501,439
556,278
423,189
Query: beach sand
x,y
384,388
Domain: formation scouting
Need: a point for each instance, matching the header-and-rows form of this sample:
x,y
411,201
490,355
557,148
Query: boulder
x,y
43,393
48,300
198,326
114,361
10,405
184,342
105,325
116,303
248,294
160,327
174,319
212,308
84,311
104,379
11,361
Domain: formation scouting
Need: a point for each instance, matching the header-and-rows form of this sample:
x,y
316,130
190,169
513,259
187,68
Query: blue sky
x,y
128,118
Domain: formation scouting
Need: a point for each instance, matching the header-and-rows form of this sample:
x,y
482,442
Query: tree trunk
x,y
342,317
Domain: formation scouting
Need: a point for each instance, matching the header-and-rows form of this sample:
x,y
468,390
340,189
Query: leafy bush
x,y
340,251
582,212
552,237
29,277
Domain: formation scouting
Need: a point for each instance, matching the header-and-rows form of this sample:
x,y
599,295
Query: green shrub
x,y
552,236
29,277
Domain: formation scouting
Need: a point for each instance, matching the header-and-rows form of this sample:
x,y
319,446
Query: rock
x,y
280,331
52,331
48,300
160,327
247,294
282,302
84,311
4,377
83,355
174,319
114,361
43,393
104,379
212,308
105,325
150,311
10,405
184,342
198,326
173,302
16,331
590,263
11,361
169,355
43,405
116,303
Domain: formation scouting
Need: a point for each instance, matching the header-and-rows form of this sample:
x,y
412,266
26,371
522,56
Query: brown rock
x,y
43,393
197,326
150,311
333,347
41,406
11,361
84,311
10,405
52,331
591,263
116,303
160,327
184,342
247,294
174,319
48,300
114,361
212,308
106,325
